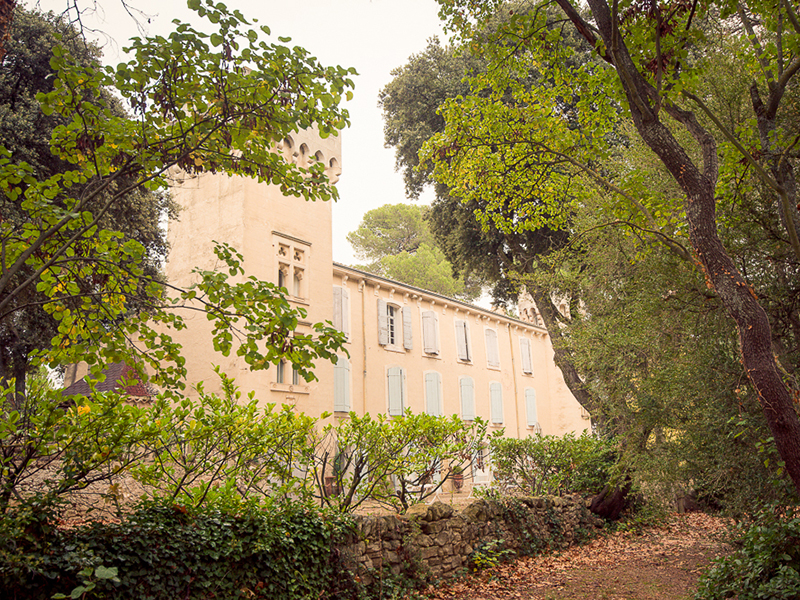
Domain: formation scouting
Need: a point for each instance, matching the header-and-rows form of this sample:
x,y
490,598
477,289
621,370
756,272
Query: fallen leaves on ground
x,y
659,562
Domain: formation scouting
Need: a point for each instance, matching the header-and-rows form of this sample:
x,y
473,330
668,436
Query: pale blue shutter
x,y
462,339
467,399
525,352
496,392
341,385
492,352
341,309
395,389
430,332
407,334
383,324
530,407
433,394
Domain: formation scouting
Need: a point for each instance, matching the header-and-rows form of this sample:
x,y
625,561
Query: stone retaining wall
x,y
439,541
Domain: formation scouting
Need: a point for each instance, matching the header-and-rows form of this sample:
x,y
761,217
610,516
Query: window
x,y
467,387
525,353
395,390
433,393
341,309
297,283
496,394
390,320
280,376
291,255
282,271
480,466
462,340
492,351
430,332
295,376
341,385
530,407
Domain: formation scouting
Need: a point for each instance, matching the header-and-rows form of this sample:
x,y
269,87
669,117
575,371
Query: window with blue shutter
x,y
496,394
341,385
530,407
467,398
396,402
433,393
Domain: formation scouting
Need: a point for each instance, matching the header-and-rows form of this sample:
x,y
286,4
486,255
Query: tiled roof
x,y
116,374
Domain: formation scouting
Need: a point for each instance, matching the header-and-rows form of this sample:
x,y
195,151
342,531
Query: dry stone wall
x,y
436,541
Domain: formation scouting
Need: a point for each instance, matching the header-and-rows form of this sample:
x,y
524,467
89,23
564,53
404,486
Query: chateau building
x,y
408,348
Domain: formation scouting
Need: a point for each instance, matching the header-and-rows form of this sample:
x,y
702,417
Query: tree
x,y
396,462
198,102
653,68
475,246
397,241
24,72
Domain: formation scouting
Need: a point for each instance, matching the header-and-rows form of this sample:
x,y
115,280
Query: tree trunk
x,y
737,296
611,501
561,356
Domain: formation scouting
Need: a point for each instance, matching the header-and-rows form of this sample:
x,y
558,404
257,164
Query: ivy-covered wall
x,y
433,541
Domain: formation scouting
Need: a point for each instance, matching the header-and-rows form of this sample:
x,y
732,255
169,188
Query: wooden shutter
x,y
433,393
496,391
492,352
462,339
430,332
467,398
383,323
395,390
525,352
341,309
341,385
530,407
407,334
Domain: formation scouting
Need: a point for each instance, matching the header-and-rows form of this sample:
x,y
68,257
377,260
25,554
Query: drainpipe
x,y
514,377
364,347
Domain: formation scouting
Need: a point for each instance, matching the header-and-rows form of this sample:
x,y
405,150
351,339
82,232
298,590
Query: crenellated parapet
x,y
305,148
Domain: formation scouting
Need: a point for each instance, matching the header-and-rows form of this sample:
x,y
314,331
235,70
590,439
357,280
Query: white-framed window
x,y
467,391
341,309
530,408
394,322
395,390
433,393
492,349
430,332
341,385
496,396
295,376
525,353
462,340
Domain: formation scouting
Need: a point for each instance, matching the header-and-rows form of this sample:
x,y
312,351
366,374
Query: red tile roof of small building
x,y
116,374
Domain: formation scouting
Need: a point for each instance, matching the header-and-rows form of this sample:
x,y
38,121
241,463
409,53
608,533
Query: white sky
x,y
374,36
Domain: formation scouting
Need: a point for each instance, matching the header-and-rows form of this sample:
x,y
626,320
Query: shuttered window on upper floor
x,y
492,351
341,309
430,332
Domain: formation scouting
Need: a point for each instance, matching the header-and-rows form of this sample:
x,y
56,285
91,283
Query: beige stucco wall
x,y
557,410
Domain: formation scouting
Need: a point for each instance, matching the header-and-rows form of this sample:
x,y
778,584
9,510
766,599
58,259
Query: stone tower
x,y
284,240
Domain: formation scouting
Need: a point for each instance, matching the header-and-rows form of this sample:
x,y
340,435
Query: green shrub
x,y
166,551
765,566
548,464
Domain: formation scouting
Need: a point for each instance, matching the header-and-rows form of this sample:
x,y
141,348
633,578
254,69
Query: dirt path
x,y
661,564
